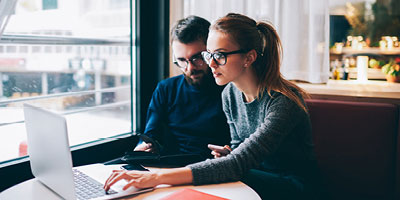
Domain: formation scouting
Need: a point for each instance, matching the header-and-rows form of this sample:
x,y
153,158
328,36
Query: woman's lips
x,y
216,74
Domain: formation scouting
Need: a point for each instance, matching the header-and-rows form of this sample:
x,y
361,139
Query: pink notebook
x,y
191,194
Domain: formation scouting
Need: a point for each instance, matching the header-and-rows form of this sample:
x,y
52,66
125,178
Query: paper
x,y
191,194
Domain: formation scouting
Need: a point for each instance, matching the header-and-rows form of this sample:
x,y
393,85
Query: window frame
x,y
151,66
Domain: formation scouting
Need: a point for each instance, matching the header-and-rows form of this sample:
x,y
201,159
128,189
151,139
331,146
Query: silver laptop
x,y
51,163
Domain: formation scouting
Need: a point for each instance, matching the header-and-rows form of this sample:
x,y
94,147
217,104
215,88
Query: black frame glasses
x,y
220,58
196,60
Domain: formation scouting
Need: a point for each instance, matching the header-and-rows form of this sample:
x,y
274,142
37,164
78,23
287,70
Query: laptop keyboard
x,y
88,188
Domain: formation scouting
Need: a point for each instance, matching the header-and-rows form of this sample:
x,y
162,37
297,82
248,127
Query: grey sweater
x,y
271,134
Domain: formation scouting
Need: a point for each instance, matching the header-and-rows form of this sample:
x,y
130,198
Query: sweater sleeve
x,y
280,119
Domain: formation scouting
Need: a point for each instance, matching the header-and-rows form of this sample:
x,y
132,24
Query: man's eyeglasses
x,y
219,57
196,60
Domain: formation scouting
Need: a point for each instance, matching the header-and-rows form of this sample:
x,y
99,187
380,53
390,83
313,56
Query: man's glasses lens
x,y
196,60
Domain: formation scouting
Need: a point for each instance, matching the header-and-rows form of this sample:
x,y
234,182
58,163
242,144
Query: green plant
x,y
392,68
377,64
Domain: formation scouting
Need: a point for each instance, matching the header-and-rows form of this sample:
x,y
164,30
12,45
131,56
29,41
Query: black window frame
x,y
152,63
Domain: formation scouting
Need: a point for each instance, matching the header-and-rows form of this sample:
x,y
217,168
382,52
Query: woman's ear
x,y
251,57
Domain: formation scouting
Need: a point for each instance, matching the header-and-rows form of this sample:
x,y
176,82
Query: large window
x,y
69,56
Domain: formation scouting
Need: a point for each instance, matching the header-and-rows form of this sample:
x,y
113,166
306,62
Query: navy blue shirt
x,y
185,118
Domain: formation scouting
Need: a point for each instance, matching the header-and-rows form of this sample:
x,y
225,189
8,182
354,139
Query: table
x,y
32,189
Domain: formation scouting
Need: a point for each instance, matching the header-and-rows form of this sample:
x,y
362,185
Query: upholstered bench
x,y
357,149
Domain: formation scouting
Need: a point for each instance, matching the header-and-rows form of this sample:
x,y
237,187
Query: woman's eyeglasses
x,y
220,58
196,60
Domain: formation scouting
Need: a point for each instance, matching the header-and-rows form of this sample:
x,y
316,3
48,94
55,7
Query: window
x,y
72,57
49,4
305,52
323,40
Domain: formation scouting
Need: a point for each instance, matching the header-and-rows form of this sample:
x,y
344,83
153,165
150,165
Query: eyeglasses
x,y
219,57
196,60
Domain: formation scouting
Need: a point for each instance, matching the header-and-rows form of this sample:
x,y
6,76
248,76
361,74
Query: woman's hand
x,y
148,147
138,179
219,151
146,179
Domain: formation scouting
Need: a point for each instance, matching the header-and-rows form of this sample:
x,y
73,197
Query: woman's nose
x,y
213,64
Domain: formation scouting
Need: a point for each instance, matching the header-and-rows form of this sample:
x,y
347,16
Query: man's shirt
x,y
185,118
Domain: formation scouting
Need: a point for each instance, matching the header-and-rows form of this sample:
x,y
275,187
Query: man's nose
x,y
190,66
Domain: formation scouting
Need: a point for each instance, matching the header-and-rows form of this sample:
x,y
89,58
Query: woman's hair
x,y
262,37
190,29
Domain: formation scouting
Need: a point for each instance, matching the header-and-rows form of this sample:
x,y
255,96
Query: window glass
x,y
69,56
354,28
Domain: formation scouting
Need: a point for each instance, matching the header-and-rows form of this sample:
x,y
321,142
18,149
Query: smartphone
x,y
146,138
134,167
219,149
157,147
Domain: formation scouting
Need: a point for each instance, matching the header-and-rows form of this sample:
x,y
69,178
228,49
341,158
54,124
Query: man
x,y
185,113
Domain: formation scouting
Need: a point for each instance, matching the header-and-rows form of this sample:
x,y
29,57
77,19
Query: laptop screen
x,y
48,148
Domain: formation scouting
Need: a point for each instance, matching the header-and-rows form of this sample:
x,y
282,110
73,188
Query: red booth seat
x,y
357,149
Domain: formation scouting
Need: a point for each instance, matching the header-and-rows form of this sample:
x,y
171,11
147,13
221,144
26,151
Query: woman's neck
x,y
248,85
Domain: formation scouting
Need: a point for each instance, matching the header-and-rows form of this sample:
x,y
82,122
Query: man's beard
x,y
199,82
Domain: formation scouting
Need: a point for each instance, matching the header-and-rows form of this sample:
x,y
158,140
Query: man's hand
x,y
148,147
219,151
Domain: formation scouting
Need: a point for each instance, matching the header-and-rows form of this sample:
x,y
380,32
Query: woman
x,y
270,128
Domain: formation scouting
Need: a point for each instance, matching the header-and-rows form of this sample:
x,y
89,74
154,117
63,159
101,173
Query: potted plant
x,y
373,63
392,70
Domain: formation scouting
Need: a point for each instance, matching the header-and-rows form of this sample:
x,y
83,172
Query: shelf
x,y
372,73
369,50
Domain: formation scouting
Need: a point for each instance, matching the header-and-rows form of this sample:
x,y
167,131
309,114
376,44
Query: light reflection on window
x,y
84,75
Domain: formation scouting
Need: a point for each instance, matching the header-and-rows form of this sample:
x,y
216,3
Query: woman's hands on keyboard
x,y
138,179
148,179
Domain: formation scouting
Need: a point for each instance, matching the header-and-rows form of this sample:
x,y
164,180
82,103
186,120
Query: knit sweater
x,y
271,133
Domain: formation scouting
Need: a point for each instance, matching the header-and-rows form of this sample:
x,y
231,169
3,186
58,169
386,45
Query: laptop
x,y
51,163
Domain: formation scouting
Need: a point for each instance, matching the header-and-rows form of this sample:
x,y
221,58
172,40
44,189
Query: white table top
x,y
32,189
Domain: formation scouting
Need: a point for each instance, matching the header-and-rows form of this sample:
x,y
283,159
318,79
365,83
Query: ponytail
x,y
268,65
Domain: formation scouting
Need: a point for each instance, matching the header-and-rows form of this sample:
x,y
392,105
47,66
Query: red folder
x,y
191,194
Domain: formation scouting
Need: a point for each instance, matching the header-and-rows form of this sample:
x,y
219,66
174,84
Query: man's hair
x,y
190,29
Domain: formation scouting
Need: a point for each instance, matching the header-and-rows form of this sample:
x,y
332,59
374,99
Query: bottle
x,y
345,72
333,73
340,73
334,69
